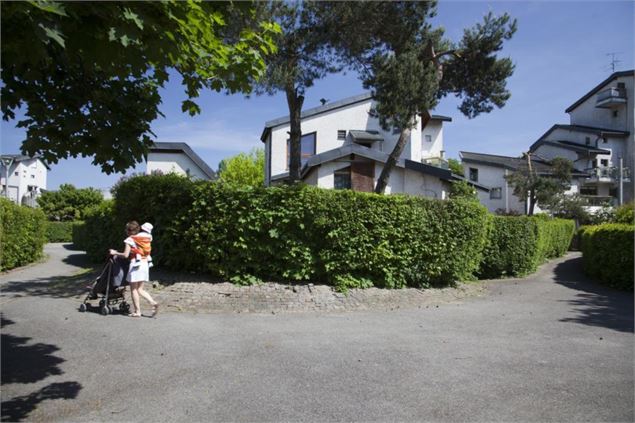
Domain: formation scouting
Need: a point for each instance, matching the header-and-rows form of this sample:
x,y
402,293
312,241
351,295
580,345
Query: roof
x,y
600,132
21,158
181,147
378,156
366,135
506,162
510,163
599,87
570,145
345,102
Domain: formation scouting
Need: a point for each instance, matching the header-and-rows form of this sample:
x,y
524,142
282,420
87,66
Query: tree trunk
x,y
390,164
295,102
532,203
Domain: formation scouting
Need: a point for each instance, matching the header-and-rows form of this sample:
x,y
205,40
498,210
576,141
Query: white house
x,y
179,158
22,178
492,170
343,146
600,136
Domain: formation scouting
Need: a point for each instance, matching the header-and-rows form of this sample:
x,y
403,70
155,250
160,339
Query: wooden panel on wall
x,y
363,175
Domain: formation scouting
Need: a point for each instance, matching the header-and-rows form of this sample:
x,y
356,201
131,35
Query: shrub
x,y
625,214
518,244
68,203
607,252
345,238
159,199
60,231
23,234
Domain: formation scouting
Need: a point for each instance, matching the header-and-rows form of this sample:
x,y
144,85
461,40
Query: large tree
x,y
86,75
303,56
541,188
69,203
409,65
243,170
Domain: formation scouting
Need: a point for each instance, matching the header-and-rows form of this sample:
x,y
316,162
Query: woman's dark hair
x,y
133,227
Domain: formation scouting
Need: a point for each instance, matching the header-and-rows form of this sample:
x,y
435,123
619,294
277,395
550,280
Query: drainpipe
x,y
506,193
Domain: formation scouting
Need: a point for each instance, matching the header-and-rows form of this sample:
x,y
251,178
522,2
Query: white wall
x,y
326,125
22,175
494,177
178,163
434,128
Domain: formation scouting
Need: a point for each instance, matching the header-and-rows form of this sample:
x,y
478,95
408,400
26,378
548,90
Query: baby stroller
x,y
109,288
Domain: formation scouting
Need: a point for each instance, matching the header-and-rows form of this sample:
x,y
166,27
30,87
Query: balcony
x,y
607,174
599,200
611,98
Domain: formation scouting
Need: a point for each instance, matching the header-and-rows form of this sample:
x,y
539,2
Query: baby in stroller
x,y
109,287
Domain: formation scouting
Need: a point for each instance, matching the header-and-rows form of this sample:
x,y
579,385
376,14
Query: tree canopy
x,y
86,75
68,203
244,169
409,65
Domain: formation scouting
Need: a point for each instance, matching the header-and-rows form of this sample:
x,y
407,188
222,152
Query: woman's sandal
x,y
155,310
134,315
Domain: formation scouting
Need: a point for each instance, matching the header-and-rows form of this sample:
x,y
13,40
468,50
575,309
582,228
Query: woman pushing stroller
x,y
137,249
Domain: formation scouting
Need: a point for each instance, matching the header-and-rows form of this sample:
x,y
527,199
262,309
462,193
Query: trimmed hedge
x,y
607,252
518,244
22,235
345,238
60,231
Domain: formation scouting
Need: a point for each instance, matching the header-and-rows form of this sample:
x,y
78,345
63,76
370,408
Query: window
x,y
604,140
473,174
604,162
341,134
307,148
615,113
16,173
589,190
496,193
395,130
428,138
342,178
588,140
32,176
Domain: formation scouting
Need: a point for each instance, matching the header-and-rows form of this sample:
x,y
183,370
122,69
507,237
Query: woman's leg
x,y
134,293
146,295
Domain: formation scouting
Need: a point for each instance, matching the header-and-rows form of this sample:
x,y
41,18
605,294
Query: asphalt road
x,y
551,347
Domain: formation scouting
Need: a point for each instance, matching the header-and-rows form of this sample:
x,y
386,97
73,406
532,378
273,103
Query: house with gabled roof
x,y
179,158
343,146
599,139
23,178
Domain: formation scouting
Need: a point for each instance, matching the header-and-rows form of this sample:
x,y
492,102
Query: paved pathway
x,y
551,347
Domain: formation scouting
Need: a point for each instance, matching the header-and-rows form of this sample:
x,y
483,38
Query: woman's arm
x,y
125,254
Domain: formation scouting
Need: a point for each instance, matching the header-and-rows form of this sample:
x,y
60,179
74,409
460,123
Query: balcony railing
x,y
608,174
599,200
611,97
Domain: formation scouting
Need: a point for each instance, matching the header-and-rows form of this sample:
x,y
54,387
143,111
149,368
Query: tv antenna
x,y
614,60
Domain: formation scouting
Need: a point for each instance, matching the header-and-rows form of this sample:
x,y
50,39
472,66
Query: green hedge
x,y
60,231
22,236
607,252
345,238
518,244
97,234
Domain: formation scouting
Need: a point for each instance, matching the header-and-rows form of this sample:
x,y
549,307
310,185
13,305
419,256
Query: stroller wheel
x,y
82,307
102,303
105,310
124,307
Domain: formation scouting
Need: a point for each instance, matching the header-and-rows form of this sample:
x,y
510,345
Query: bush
x,y
345,238
163,200
68,203
97,233
625,214
607,252
518,244
23,234
60,231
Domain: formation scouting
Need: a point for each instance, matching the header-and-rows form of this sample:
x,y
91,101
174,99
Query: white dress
x,y
139,270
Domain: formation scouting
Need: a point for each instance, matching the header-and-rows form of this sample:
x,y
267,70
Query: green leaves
x,y
607,253
102,64
22,234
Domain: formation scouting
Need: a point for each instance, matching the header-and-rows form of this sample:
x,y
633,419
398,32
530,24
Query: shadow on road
x,y
52,287
24,363
595,305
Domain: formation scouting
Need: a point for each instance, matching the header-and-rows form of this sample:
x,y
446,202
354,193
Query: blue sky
x,y
560,51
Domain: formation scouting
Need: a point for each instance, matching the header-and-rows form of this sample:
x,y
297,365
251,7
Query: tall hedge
x,y
607,252
518,244
60,231
22,234
345,238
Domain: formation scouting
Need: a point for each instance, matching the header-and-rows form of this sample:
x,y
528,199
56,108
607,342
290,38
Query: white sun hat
x,y
147,227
